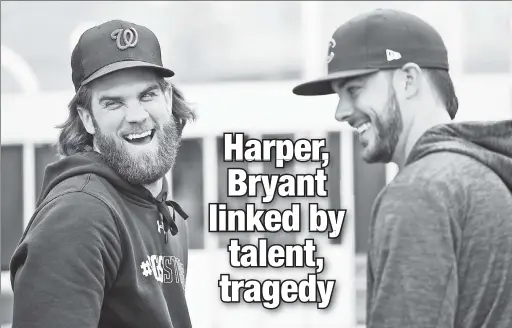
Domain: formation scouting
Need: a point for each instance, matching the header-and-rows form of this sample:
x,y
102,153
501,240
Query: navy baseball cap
x,y
380,39
113,46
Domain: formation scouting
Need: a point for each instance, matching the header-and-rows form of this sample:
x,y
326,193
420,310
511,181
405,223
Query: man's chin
x,y
135,150
142,157
144,175
372,156
139,168
369,158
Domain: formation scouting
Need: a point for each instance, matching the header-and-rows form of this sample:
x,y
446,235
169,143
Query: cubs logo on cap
x,y
113,46
380,39
332,44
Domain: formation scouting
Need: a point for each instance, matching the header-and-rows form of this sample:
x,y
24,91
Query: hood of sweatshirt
x,y
490,143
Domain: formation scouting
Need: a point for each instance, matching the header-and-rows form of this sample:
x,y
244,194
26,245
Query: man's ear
x,y
407,80
87,120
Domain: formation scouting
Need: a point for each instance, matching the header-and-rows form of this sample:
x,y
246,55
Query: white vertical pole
x,y
314,52
453,36
29,182
25,76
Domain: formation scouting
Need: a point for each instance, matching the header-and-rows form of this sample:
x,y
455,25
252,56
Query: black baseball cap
x,y
380,39
113,46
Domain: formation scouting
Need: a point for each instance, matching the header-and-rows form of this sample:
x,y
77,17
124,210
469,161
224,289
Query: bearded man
x,y
440,243
104,247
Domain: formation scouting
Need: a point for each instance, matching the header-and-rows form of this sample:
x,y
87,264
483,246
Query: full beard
x,y
388,127
145,167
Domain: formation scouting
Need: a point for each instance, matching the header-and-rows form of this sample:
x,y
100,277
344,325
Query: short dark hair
x,y
443,87
73,136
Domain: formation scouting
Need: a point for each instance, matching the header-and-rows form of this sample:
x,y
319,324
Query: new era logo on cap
x,y
392,55
380,39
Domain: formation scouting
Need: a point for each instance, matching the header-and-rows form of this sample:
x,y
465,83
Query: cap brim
x,y
164,72
322,86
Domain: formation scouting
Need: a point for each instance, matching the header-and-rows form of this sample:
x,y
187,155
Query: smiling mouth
x,y
142,138
363,127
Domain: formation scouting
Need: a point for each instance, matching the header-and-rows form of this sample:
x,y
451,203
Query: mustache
x,y
137,128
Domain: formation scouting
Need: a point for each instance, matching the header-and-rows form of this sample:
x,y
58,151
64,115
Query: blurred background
x,y
237,63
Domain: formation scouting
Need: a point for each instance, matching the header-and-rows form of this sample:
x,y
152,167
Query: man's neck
x,y
425,120
155,188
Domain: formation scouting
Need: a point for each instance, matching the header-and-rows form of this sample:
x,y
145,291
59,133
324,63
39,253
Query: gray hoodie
x,y
441,233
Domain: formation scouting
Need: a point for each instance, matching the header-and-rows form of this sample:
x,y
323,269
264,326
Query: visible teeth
x,y
363,127
138,136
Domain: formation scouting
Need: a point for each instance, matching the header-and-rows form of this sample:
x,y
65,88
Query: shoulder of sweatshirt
x,y
88,183
70,223
449,173
87,208
78,204
446,181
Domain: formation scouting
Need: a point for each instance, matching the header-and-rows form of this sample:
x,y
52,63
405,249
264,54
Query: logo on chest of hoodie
x,y
165,269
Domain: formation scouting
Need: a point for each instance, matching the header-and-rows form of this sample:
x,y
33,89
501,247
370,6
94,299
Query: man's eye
x,y
352,90
148,96
111,104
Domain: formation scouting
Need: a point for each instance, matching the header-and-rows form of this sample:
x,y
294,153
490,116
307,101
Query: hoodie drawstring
x,y
168,219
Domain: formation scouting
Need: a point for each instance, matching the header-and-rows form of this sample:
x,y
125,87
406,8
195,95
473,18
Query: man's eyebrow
x,y
110,98
118,98
148,89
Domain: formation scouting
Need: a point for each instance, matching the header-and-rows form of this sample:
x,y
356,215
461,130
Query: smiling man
x,y
441,231
102,248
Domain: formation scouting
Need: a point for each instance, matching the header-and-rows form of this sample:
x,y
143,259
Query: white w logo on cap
x,y
392,55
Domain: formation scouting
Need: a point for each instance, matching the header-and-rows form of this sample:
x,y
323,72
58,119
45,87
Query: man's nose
x,y
344,110
135,112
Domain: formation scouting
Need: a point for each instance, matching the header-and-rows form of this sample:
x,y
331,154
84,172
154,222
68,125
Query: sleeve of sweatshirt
x,y
413,257
68,259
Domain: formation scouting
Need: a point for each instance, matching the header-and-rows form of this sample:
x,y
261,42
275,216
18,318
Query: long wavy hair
x,y
73,136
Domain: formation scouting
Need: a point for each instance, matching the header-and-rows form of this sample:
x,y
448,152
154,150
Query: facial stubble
x,y
389,127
